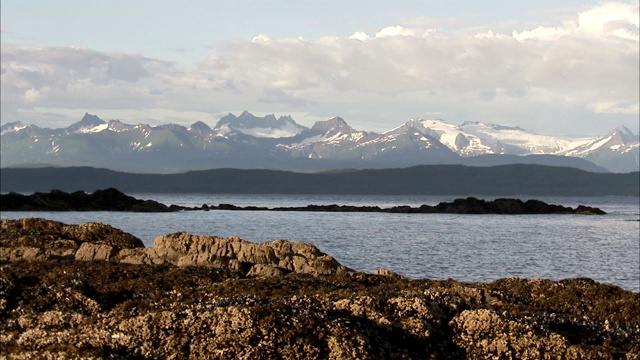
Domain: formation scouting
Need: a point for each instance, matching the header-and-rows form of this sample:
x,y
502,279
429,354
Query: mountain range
x,y
250,142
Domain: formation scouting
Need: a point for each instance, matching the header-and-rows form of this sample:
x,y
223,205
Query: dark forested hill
x,y
424,180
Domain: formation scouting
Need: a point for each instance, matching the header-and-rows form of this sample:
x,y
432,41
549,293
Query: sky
x,y
554,67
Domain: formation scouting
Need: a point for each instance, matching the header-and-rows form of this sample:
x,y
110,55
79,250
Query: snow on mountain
x,y
455,138
331,138
527,140
620,140
335,139
246,139
119,126
89,123
403,135
11,127
407,145
95,129
336,130
619,151
261,127
200,128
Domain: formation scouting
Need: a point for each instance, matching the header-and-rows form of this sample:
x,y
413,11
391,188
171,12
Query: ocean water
x,y
473,248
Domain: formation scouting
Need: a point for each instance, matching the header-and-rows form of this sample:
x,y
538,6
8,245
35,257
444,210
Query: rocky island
x,y
114,200
93,291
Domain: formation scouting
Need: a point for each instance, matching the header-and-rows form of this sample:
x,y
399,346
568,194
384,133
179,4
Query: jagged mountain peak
x,y
334,124
200,127
170,127
266,127
619,149
90,118
88,122
247,120
12,126
623,134
117,126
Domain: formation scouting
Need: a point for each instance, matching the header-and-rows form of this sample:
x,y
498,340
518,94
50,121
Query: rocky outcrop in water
x,y
211,306
39,239
470,205
100,200
114,200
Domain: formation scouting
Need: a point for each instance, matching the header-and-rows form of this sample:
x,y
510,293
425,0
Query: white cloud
x,y
359,35
588,63
615,108
31,95
402,31
260,38
571,58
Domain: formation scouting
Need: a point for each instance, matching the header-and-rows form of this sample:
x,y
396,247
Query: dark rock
x,y
227,207
588,210
114,200
469,205
100,200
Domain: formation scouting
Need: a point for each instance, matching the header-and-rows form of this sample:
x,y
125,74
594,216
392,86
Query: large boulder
x,y
40,239
274,257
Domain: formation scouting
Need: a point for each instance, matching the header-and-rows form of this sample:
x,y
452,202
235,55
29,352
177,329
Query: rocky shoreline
x,y
93,291
114,200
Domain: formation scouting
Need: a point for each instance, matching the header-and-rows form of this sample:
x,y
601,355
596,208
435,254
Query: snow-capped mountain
x,y
329,139
620,149
16,129
406,145
457,139
528,141
247,141
262,127
334,139
200,128
89,123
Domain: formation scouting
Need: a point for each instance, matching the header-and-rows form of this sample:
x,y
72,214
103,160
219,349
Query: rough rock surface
x,y
39,239
276,257
59,307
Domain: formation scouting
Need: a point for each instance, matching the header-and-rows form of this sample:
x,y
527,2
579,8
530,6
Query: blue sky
x,y
555,67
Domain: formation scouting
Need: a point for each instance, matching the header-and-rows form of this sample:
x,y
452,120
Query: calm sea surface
x,y
474,248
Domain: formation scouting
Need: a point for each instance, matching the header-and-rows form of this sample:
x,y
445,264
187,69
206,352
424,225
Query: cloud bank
x,y
579,74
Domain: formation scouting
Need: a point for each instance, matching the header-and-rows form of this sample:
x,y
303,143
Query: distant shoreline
x,y
455,180
114,200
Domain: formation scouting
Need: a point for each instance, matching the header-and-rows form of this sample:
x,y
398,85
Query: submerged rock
x,y
230,298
